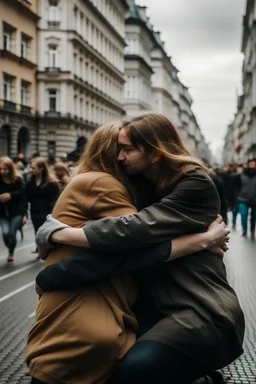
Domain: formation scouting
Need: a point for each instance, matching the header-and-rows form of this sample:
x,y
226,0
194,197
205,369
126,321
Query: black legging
x,y
152,362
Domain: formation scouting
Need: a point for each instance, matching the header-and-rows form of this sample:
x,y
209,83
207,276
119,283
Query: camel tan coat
x,y
79,336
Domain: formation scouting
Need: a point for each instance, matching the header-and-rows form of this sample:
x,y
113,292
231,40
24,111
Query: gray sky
x,y
204,39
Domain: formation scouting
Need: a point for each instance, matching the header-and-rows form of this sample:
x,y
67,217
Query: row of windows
x,y
84,107
108,10
9,90
93,111
137,88
94,74
10,36
97,39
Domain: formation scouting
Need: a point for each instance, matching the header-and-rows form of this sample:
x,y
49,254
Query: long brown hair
x,y
154,132
101,154
10,165
46,174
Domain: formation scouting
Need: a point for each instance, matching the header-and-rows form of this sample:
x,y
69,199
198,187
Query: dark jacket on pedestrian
x,y
246,183
17,205
199,312
41,198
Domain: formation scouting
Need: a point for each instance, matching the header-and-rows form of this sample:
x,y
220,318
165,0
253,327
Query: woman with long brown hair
x,y
42,191
12,204
81,334
190,316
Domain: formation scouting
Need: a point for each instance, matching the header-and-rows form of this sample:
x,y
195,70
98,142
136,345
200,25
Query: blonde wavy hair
x,y
13,175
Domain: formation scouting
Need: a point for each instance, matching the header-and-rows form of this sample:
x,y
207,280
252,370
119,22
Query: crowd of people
x,y
236,185
28,186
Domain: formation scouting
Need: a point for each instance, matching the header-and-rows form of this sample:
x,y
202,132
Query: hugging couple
x,y
134,287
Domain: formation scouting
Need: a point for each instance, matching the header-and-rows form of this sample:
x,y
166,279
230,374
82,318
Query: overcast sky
x,y
204,39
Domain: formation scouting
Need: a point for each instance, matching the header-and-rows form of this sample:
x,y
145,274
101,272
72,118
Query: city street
x,y
18,301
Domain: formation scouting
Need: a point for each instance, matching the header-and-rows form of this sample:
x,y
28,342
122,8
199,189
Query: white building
x,y
152,82
80,71
244,124
138,70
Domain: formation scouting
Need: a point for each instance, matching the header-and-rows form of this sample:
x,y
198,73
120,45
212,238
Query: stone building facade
x,y
240,141
80,71
18,65
152,82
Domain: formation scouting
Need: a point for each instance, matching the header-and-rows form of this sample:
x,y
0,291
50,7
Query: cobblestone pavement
x,y
18,301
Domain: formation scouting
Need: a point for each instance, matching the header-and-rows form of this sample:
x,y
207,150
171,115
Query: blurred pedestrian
x,y
246,184
42,191
12,204
217,176
62,174
231,191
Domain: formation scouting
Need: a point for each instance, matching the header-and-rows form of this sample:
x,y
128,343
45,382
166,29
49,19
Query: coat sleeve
x,y
190,208
20,190
90,266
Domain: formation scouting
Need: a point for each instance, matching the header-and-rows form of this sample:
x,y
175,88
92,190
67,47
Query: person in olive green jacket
x,y
197,323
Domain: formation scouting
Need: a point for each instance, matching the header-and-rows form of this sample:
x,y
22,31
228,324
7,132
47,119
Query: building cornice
x,y
140,59
21,6
19,60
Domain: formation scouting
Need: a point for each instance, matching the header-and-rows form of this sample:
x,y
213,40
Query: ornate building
x,y
240,141
18,64
81,69
152,82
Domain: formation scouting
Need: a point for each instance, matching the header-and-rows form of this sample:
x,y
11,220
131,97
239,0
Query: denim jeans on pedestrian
x,y
10,226
243,209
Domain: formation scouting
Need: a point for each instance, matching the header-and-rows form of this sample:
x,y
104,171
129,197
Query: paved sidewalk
x,y
17,311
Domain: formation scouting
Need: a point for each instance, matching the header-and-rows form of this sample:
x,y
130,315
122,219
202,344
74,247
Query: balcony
x,y
54,24
52,69
25,109
53,114
8,105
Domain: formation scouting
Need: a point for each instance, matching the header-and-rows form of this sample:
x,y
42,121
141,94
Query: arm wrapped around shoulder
x,y
190,208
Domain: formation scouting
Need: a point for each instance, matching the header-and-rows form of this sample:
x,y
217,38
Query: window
x,y
7,87
51,147
24,46
54,12
24,93
7,37
53,56
52,93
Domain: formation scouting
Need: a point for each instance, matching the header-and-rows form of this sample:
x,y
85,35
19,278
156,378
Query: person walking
x,y
246,184
191,318
12,204
42,191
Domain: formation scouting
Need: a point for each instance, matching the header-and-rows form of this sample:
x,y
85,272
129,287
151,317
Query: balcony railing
x,y
8,105
52,114
54,23
52,69
25,109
